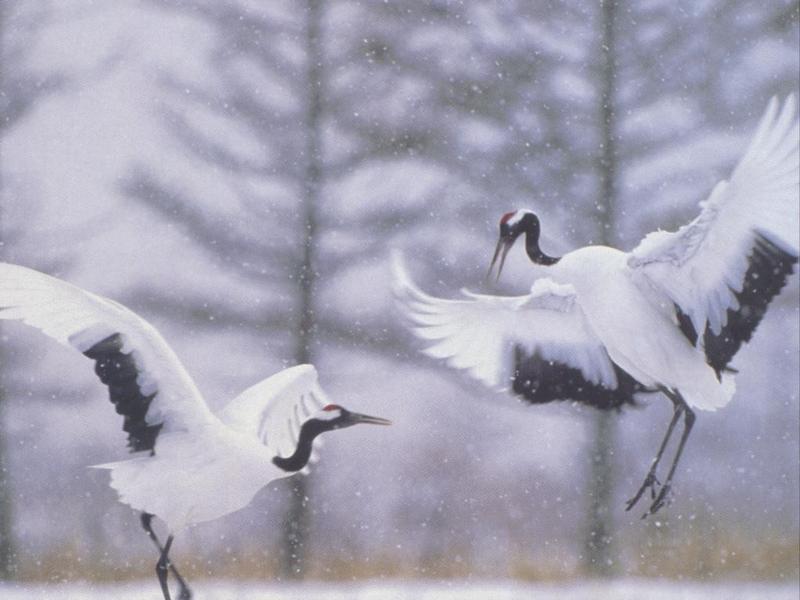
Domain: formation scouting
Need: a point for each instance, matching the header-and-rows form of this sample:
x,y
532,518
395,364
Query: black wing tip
x,y
540,381
141,439
770,266
119,372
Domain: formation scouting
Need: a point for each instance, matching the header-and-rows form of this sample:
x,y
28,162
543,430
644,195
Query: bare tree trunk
x,y
7,566
598,551
7,570
296,525
7,562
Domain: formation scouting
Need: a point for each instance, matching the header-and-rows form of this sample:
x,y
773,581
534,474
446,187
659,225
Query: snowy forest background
x,y
237,172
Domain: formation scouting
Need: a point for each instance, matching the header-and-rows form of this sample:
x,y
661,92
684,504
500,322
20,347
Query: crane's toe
x,y
650,482
661,500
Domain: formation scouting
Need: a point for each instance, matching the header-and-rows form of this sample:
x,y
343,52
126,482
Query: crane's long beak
x,y
359,418
503,246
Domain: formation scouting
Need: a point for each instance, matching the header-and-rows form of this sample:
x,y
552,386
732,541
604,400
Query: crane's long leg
x,y
650,480
185,592
688,423
162,568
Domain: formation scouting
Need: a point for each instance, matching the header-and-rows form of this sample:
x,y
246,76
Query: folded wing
x,y
147,383
275,409
538,345
722,269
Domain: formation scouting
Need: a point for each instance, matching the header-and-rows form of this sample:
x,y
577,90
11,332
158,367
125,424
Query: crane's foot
x,y
650,482
660,501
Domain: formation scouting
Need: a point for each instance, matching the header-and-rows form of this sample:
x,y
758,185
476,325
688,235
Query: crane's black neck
x,y
309,430
534,251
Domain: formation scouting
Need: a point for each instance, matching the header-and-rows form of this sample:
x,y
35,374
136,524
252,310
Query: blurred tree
x,y
653,91
599,559
21,86
25,81
21,23
277,132
562,104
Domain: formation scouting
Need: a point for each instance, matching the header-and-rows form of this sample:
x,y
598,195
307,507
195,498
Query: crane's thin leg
x,y
650,481
660,500
162,568
185,592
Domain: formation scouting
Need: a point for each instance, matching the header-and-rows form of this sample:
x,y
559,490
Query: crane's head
x,y
328,418
338,417
512,225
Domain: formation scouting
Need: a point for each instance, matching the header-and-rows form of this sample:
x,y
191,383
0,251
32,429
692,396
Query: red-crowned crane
x,y
191,465
667,317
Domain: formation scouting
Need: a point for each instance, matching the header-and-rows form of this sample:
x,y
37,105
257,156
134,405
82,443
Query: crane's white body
x,y
217,468
599,307
195,477
203,465
639,331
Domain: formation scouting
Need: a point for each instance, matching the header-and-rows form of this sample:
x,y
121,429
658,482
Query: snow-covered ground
x,y
633,589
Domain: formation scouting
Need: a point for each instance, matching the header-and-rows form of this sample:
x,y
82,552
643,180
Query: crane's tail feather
x,y
127,481
711,397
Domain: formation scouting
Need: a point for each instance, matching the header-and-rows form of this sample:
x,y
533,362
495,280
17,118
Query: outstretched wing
x,y
147,383
722,269
274,409
539,345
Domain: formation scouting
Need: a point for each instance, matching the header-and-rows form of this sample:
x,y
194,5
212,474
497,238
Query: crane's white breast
x,y
192,479
637,327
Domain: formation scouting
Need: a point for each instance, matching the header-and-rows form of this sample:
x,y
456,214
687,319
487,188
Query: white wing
x,y
480,334
274,409
746,235
146,380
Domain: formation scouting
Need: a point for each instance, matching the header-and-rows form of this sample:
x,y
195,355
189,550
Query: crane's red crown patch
x,y
507,216
332,407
